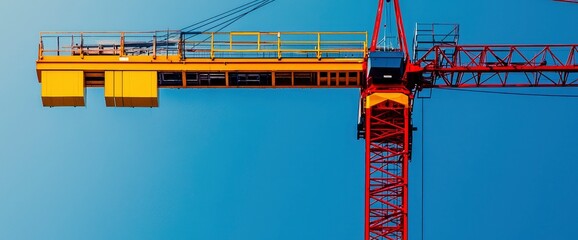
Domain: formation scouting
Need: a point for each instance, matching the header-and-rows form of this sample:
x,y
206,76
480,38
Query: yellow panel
x,y
118,86
62,88
109,88
378,98
113,85
148,63
131,89
139,89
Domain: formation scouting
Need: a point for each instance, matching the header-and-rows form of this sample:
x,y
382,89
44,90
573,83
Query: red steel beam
x,y
387,158
376,26
499,66
400,29
399,24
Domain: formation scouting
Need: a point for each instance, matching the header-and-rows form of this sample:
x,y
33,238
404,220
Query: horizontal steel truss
x,y
387,157
332,73
499,66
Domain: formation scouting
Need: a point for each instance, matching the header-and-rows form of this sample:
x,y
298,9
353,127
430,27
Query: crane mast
x,y
132,66
387,130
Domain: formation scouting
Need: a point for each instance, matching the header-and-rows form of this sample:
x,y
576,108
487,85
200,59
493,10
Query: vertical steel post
x,y
57,45
376,26
180,47
318,45
212,45
167,44
279,45
259,41
81,45
121,44
155,46
40,48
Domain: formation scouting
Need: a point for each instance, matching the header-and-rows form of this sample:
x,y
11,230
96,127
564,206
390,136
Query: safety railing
x,y
108,43
427,35
187,45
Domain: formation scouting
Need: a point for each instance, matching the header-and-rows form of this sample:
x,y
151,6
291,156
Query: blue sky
x,y
278,164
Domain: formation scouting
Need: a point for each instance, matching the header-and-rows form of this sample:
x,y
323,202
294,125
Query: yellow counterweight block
x,y
62,88
131,89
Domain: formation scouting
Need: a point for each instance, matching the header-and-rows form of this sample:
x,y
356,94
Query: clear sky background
x,y
245,164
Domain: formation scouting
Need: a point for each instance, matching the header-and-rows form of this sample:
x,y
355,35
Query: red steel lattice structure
x,y
388,139
387,158
499,66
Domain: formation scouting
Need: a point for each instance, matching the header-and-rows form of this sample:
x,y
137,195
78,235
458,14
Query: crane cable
x,y
233,15
511,93
228,22
232,20
423,131
231,11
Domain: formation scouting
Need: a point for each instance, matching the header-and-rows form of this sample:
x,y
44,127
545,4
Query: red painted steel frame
x,y
398,22
387,158
376,26
400,30
496,65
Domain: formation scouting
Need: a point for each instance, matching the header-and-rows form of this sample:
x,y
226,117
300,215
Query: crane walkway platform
x,y
68,62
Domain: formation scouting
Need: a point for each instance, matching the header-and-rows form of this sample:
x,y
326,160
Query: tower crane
x,y
131,66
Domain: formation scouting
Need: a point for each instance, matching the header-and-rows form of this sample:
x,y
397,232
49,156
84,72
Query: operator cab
x,y
385,67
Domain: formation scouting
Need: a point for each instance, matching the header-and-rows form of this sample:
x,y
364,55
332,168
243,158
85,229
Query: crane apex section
x,y
62,88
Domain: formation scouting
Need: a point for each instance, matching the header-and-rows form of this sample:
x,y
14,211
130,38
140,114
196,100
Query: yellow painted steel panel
x,y
62,88
113,88
139,89
131,89
118,86
109,88
104,63
139,84
378,98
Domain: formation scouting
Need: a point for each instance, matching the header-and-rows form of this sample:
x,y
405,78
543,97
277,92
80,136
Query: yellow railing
x,y
212,45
